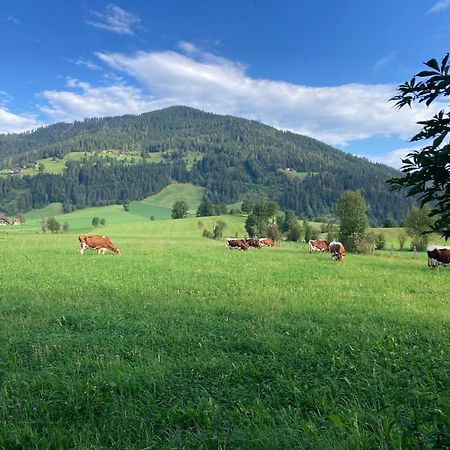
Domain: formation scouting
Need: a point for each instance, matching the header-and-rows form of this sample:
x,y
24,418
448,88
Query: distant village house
x,y
15,171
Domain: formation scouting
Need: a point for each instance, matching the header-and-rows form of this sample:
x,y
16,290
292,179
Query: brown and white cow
x,y
266,242
252,242
438,256
237,243
317,245
337,250
96,242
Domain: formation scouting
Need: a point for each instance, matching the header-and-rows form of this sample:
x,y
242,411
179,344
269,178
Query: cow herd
x,y
437,255
246,243
336,249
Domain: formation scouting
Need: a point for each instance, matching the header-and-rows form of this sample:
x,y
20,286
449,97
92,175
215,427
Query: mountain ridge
x,y
238,158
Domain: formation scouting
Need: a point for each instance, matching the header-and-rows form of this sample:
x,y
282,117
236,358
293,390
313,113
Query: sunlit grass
x,y
182,343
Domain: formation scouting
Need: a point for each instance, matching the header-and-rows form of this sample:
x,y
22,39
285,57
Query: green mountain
x,y
231,157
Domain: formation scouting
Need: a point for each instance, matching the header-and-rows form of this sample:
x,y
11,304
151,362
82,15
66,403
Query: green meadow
x,y
157,207
182,343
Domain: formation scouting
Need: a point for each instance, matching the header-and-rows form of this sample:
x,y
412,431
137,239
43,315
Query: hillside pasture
x,y
56,166
294,174
159,206
187,192
182,343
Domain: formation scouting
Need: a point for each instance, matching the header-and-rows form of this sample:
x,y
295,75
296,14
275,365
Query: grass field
x,y
182,343
158,206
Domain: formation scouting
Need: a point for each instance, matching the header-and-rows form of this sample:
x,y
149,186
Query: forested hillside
x,y
238,159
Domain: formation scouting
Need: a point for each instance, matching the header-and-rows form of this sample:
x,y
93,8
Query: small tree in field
x,y
95,221
273,232
402,238
180,209
308,230
53,225
247,206
351,210
218,229
418,226
294,233
65,227
44,225
380,241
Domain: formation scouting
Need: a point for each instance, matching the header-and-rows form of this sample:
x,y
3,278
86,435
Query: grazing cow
x,y
237,243
438,256
99,243
317,245
252,242
337,250
266,242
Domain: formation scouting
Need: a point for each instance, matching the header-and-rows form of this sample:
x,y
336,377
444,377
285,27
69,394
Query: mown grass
x,y
158,207
187,192
182,343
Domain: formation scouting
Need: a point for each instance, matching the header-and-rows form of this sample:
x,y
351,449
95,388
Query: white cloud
x,y
441,5
14,123
394,157
188,47
84,62
386,60
116,20
334,114
85,100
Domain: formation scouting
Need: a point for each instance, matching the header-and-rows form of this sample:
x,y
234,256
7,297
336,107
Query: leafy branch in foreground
x,y
427,171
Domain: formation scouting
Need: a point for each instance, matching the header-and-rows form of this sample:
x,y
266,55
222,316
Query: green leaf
x,y
433,64
438,141
444,62
426,73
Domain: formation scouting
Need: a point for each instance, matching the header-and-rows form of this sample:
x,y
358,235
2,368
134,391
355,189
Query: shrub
x,y
218,229
207,234
53,225
273,232
380,241
294,232
367,243
402,238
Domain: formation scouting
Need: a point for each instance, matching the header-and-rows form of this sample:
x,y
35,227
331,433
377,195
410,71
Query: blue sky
x,y
322,68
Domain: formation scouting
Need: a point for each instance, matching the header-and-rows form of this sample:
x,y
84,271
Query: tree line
x,y
92,182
